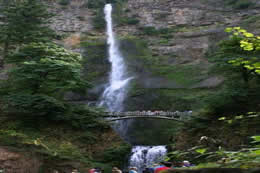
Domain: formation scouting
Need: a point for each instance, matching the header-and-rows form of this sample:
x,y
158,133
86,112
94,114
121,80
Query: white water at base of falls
x,y
146,156
115,93
114,96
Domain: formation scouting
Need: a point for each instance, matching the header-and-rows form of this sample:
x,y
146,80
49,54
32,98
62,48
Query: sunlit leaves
x,y
239,117
249,43
222,118
201,150
256,138
246,45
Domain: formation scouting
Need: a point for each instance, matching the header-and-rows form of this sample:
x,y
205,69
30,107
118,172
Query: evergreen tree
x,y
43,72
24,22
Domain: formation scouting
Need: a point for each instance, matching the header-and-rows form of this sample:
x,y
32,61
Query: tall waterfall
x,y
146,156
114,94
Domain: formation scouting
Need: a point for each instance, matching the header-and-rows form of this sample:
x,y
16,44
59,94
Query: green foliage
x,y
99,19
243,4
243,158
43,72
45,68
239,4
25,22
250,20
249,43
230,97
64,2
201,150
94,58
150,30
96,4
132,21
235,119
240,54
117,155
36,105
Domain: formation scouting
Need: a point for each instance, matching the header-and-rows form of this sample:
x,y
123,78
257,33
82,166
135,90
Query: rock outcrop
x,y
177,38
17,162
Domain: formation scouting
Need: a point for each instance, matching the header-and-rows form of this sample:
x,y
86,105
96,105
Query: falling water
x,y
146,156
114,94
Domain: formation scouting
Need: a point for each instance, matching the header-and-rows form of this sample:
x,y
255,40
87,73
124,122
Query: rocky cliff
x,y
166,44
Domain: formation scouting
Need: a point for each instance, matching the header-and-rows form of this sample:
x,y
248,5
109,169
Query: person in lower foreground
x,y
133,170
163,166
116,170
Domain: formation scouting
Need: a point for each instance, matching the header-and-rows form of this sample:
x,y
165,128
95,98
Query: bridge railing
x,y
175,115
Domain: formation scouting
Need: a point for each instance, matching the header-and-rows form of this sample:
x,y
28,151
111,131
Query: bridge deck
x,y
179,116
134,117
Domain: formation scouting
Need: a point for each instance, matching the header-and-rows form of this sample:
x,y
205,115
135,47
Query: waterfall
x,y
146,156
114,94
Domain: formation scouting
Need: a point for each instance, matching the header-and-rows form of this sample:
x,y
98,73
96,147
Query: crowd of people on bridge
x,y
150,112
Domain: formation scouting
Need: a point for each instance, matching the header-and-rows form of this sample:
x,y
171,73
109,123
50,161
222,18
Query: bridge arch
x,y
175,116
137,117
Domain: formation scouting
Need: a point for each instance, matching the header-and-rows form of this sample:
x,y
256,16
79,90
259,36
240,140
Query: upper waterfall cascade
x,y
114,94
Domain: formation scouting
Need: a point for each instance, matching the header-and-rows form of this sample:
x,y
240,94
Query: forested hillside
x,y
183,55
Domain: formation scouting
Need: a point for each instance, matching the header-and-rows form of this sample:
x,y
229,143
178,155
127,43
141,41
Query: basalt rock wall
x,y
166,44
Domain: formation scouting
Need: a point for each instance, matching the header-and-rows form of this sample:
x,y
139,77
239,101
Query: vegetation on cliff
x,y
35,116
232,116
22,23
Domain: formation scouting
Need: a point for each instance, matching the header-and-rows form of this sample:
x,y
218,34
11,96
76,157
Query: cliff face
x,y
22,152
166,44
18,162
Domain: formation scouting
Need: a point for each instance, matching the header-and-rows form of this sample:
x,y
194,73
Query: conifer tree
x,y
24,22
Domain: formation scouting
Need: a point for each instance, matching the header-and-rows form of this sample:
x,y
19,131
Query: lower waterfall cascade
x,y
146,156
114,95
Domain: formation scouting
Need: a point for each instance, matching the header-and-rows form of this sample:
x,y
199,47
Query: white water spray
x,y
114,94
146,156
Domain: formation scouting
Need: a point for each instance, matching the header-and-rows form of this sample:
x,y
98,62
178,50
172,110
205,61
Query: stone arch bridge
x,y
176,116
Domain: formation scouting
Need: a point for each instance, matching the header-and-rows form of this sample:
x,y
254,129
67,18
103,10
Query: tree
x,y
24,22
43,72
241,52
249,65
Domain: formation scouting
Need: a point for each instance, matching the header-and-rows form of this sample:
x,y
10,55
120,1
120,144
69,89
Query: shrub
x,y
239,4
99,21
243,4
149,30
64,2
95,4
132,21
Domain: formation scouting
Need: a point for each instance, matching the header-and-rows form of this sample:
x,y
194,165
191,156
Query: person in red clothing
x,y
91,170
163,166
